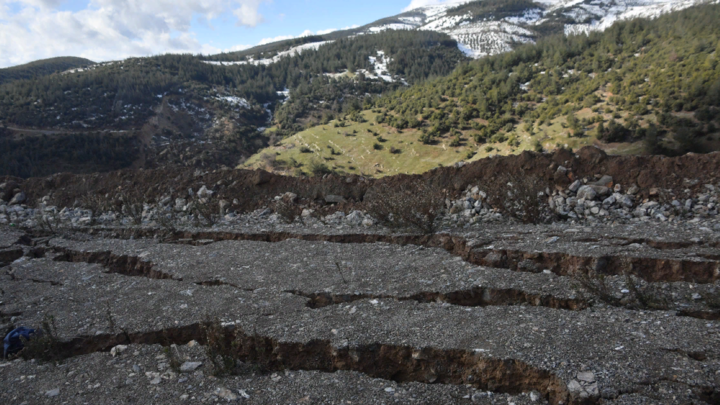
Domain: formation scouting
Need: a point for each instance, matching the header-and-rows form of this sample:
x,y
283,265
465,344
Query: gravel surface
x,y
374,318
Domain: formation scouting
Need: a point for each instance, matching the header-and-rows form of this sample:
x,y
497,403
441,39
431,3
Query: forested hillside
x,y
652,80
202,112
642,86
42,68
43,155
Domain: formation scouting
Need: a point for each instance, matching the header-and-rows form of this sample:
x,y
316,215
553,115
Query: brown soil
x,y
253,189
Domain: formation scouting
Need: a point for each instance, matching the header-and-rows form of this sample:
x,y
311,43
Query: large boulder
x,y
592,155
260,177
604,181
18,198
587,193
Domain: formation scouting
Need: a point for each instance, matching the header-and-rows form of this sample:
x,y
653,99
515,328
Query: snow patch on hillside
x,y
490,37
380,66
285,54
395,26
235,101
414,20
528,17
469,52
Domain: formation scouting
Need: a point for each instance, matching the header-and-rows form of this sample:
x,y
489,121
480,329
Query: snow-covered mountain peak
x,y
489,27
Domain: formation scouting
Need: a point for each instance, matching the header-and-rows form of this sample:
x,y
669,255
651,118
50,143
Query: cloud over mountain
x,y
111,29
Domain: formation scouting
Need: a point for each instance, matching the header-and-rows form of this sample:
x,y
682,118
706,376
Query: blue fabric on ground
x,y
12,342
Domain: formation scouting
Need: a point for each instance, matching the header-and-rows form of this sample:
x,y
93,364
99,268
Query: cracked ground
x,y
512,314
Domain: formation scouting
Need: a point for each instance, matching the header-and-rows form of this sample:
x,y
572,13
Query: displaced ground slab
x,y
9,245
142,374
396,314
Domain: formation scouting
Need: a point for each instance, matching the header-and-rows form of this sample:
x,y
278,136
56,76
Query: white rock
x,y
53,392
204,192
355,218
18,198
574,387
225,394
190,366
587,376
117,350
626,201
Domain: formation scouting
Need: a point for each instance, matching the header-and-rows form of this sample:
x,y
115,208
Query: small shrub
x,y
132,206
166,218
319,169
415,204
47,221
220,348
174,357
288,211
647,296
641,295
377,146
597,286
204,209
427,138
520,197
45,345
395,151
305,149
96,203
269,160
537,146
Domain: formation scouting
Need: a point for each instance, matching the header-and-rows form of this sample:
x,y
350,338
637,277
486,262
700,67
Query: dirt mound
x,y
252,189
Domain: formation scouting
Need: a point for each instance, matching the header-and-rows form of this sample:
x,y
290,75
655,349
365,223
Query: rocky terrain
x,y
595,281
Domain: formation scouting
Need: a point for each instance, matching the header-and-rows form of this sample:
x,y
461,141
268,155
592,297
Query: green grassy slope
x,y
351,149
355,149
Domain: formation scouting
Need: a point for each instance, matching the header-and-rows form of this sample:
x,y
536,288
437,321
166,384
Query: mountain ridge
x,y
495,26
42,67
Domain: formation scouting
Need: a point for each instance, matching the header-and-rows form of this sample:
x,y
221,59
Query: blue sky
x,y
103,30
291,18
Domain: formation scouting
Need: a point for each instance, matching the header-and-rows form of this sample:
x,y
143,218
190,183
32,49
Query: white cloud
x,y
247,13
425,3
111,29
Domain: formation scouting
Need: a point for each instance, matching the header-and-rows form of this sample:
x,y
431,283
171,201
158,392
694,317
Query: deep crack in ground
x,y
377,305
